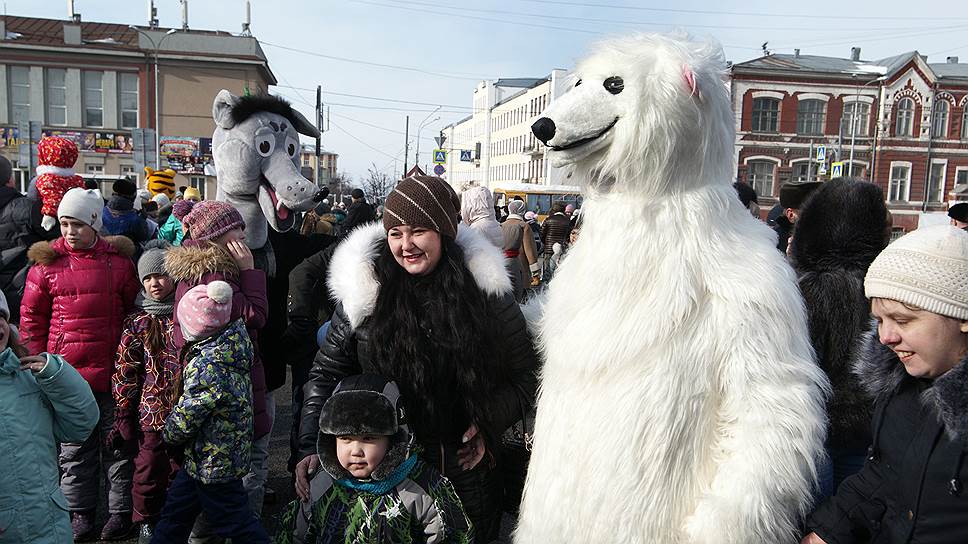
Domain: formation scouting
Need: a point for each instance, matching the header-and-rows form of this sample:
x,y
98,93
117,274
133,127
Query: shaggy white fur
x,y
679,399
352,278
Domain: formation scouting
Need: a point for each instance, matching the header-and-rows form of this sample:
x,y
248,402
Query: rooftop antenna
x,y
248,19
184,6
152,14
71,14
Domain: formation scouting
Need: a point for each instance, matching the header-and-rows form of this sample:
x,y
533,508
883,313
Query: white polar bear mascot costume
x,y
679,399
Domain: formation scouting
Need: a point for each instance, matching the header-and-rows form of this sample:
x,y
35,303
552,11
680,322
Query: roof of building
x,y
35,31
526,82
840,66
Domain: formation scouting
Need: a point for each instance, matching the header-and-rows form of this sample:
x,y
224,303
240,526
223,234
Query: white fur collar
x,y
352,278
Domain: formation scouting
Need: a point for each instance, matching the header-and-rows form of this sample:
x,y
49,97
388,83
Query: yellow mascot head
x,y
160,182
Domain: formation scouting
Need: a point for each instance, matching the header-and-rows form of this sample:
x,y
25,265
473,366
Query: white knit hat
x,y
927,268
84,205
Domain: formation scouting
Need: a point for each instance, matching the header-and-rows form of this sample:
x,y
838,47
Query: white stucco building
x,y
496,140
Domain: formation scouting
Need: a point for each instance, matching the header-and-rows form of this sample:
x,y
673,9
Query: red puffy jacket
x,y
75,302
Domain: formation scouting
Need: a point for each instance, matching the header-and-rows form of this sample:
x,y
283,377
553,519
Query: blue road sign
x,y
439,170
821,153
440,156
466,155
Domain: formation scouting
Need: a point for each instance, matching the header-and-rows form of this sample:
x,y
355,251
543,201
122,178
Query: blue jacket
x,y
36,413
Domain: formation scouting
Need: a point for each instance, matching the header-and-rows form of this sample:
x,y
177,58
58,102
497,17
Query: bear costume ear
x,y
222,109
689,78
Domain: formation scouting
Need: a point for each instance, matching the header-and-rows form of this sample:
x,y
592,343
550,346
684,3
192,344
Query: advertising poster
x,y
186,154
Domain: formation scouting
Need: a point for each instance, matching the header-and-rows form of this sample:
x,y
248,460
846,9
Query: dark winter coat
x,y
359,213
290,249
196,263
912,486
75,302
555,229
19,229
349,347
842,227
120,218
309,306
214,414
783,229
144,382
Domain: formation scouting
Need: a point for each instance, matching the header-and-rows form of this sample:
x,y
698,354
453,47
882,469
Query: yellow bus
x,y
538,198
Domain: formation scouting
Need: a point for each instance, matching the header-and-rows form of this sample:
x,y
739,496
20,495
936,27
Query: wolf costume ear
x,y
302,125
222,109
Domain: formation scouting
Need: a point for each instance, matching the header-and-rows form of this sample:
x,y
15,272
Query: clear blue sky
x,y
443,48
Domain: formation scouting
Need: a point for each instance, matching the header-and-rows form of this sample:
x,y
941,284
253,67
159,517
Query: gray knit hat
x,y
927,268
151,262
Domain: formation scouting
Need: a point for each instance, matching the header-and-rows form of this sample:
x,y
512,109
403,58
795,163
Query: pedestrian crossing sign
x,y
836,170
440,156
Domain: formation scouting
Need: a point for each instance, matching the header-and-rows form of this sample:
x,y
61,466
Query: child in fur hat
x,y
374,488
55,175
213,419
146,371
74,302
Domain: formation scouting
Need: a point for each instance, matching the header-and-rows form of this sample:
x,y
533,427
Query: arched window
x,y
964,124
810,117
905,117
939,120
766,114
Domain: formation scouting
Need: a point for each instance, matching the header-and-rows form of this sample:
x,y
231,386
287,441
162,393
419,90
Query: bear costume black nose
x,y
544,129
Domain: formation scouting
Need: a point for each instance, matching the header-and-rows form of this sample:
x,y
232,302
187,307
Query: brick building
x,y
900,122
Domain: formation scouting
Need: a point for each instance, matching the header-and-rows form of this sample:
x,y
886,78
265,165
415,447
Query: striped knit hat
x,y
423,201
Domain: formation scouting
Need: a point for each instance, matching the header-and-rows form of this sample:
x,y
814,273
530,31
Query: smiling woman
x,y
429,305
916,366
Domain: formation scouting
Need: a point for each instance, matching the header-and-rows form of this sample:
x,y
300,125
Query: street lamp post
x,y
416,161
157,48
853,123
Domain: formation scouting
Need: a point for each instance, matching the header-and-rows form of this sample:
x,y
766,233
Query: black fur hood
x,y
843,225
881,373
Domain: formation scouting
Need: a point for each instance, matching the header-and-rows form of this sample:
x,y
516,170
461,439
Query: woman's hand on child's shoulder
x,y
305,470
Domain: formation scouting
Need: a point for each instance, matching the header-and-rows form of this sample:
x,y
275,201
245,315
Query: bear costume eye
x,y
614,85
265,144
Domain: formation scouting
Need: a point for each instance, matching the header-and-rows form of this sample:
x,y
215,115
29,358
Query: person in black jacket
x,y
842,228
359,213
912,486
20,227
431,308
555,229
792,196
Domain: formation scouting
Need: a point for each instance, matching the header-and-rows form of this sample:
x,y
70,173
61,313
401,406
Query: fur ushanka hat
x,y
365,404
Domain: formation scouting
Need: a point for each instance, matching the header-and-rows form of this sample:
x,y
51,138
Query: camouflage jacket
x,y
213,417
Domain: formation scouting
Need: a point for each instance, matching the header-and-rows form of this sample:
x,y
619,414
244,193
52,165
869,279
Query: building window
x,y
905,117
127,171
128,99
936,182
900,182
766,114
939,119
94,169
810,117
961,176
56,97
855,125
93,99
19,93
761,174
198,182
801,172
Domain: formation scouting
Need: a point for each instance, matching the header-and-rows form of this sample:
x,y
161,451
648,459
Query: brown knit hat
x,y
423,201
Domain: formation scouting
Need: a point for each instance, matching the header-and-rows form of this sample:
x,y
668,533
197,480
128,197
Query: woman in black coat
x,y
842,228
912,486
432,309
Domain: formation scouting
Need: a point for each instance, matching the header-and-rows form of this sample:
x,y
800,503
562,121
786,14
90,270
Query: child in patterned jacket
x,y
213,419
373,488
146,370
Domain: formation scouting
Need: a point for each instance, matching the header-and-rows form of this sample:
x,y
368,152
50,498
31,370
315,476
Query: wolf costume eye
x,y
265,144
291,147
614,85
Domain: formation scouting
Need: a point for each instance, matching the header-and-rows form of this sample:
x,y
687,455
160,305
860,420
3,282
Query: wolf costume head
x,y
256,151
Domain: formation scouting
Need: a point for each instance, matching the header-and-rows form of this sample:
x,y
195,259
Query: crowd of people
x,y
142,339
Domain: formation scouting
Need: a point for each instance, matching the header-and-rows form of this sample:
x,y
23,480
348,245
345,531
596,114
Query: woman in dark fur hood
x,y
842,227
911,488
430,307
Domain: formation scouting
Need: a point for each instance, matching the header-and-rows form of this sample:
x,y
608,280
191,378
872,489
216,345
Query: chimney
x,y
855,53
184,4
3,29
952,60
796,53
72,32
